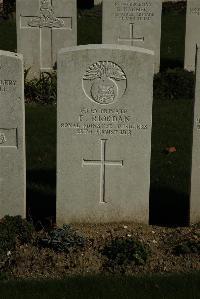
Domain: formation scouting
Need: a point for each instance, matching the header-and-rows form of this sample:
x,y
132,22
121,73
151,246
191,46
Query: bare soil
x,y
31,261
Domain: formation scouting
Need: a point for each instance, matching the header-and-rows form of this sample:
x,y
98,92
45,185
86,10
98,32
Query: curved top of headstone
x,y
107,46
11,54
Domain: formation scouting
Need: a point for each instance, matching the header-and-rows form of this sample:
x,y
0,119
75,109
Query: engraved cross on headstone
x,y
131,38
102,163
47,23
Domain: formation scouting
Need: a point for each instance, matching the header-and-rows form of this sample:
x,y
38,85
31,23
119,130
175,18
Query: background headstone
x,y
195,177
134,23
104,133
1,7
43,28
12,135
192,33
97,2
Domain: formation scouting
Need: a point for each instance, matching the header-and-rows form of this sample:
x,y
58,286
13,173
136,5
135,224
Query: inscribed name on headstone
x,y
195,176
12,135
134,23
104,133
43,28
192,33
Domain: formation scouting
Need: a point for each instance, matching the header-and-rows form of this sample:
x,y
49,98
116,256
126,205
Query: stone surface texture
x,y
97,2
100,1
43,28
12,135
134,23
192,33
195,177
104,133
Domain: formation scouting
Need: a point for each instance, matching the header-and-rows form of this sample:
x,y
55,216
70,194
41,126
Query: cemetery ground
x,y
170,253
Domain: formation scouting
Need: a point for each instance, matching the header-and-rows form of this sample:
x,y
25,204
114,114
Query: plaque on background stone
x,y
43,28
192,33
12,136
104,133
134,23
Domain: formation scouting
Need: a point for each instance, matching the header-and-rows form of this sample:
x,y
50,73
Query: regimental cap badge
x,y
104,82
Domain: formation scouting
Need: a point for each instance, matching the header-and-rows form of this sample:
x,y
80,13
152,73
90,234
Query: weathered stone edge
x,y
106,46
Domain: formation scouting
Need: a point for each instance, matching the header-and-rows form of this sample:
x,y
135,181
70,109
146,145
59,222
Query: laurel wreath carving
x,y
104,69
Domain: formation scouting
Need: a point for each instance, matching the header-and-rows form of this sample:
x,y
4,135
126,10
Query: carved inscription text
x,y
133,10
195,11
6,85
104,121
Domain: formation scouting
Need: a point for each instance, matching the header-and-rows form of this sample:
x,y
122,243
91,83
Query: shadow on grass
x,y
41,198
168,207
173,37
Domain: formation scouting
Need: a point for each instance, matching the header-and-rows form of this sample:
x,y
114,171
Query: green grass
x,y
173,39
148,287
89,29
41,161
170,173
8,36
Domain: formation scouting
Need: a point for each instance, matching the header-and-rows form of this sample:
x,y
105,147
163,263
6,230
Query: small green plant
x,y
123,252
187,247
42,90
168,85
62,239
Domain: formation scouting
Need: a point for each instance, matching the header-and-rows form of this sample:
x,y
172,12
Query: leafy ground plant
x,y
187,247
62,239
122,252
42,90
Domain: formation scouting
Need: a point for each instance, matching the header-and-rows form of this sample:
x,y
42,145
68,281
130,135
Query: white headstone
x,y
195,177
1,6
12,135
192,33
134,23
43,28
104,133
97,2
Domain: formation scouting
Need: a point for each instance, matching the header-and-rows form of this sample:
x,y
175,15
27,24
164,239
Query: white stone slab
x,y
12,135
43,28
104,133
192,33
97,2
195,176
134,23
